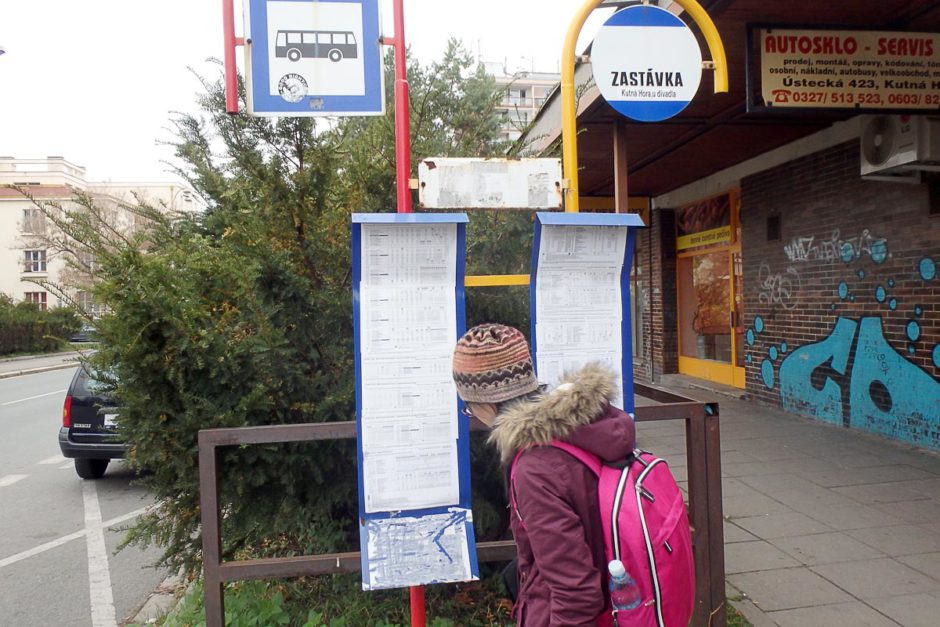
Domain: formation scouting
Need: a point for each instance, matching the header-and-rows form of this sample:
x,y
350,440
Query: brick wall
x,y
656,256
843,310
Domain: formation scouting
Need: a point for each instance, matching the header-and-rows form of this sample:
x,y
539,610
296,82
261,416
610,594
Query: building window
x,y
33,220
35,261
37,298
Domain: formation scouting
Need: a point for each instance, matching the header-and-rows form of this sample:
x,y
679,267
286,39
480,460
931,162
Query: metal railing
x,y
703,456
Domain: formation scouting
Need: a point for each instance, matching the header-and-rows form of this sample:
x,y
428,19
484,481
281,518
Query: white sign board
x,y
314,57
647,63
489,183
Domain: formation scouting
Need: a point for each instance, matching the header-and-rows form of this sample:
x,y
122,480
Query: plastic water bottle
x,y
624,593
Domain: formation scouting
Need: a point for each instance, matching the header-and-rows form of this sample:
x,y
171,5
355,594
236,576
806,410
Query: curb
x,y
17,373
163,599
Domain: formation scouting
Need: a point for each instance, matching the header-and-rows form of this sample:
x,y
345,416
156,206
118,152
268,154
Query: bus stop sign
x,y
314,57
647,63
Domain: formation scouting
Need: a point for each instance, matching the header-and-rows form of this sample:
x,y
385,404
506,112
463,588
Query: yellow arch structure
x,y
569,112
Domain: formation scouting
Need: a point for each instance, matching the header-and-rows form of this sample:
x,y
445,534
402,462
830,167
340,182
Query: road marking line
x,y
53,460
48,546
30,398
99,573
10,480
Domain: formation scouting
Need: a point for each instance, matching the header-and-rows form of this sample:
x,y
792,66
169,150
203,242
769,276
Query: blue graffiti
x,y
843,290
911,349
890,395
936,356
773,353
886,393
879,251
749,358
893,304
784,347
767,373
890,282
806,383
928,269
848,252
749,337
861,274
913,331
759,324
880,294
918,311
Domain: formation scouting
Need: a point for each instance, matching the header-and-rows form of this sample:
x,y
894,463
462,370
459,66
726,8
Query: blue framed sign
x,y
415,519
579,291
314,57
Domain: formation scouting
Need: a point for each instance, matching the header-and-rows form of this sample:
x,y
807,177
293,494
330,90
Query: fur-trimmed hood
x,y
565,413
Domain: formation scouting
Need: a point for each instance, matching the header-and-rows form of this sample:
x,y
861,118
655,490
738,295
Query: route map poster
x,y
843,69
416,525
580,296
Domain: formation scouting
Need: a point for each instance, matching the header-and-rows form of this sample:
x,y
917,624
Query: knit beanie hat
x,y
492,364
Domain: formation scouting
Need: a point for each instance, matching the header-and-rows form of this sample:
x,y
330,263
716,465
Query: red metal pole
x,y
402,143
231,80
402,176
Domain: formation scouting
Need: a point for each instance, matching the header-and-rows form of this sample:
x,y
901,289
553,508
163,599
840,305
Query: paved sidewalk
x,y
29,364
824,526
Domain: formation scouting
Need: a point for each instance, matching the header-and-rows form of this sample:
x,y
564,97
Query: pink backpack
x,y
651,536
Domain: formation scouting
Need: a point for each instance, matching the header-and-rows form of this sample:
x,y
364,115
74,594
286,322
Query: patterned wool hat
x,y
492,364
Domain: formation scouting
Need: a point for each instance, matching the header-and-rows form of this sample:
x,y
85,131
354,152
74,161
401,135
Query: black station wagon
x,y
88,433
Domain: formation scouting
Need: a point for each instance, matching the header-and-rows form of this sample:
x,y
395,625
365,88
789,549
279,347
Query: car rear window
x,y
90,383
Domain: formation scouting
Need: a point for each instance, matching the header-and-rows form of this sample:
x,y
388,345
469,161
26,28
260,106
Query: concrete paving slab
x,y
927,563
911,610
744,557
734,533
852,614
826,548
771,484
882,493
752,505
859,516
772,526
813,499
838,477
899,539
916,512
877,578
788,588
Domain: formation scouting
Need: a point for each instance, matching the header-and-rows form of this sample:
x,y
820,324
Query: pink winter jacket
x,y
562,567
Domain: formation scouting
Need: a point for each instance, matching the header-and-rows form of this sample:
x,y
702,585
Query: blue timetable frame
x,y
459,512
317,101
628,221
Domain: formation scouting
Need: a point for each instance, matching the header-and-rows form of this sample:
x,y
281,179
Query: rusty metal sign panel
x,y
458,184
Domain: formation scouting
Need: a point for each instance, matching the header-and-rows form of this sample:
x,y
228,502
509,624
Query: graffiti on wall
x,y
854,376
834,247
777,289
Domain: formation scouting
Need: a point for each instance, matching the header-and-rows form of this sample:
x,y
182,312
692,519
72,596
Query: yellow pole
x,y
569,114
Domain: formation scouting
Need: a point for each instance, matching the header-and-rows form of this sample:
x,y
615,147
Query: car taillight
x,y
67,412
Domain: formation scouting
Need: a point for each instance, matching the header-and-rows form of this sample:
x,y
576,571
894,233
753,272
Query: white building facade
x,y
26,256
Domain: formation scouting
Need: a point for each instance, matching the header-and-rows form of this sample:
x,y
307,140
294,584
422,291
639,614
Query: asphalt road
x,y
58,533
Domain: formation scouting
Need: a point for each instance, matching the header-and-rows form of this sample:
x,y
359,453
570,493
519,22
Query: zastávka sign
x,y
844,69
647,63
314,57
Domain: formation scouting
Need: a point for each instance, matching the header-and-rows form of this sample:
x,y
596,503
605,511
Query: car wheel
x,y
91,468
336,55
293,54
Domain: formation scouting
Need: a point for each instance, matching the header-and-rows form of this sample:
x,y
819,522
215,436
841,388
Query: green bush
x,y
25,328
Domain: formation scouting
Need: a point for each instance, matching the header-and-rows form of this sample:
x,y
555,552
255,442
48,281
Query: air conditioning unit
x,y
899,147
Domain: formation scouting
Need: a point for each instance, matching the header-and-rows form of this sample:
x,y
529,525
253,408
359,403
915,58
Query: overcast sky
x,y
95,80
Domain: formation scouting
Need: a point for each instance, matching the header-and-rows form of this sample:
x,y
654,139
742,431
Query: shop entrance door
x,y
710,296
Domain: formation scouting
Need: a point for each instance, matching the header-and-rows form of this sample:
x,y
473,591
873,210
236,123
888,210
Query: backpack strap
x,y
514,508
590,460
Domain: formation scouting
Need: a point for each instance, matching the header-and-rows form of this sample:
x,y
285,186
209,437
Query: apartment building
x,y
524,93
28,255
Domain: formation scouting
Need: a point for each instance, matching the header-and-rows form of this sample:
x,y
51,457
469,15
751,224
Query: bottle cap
x,y
616,569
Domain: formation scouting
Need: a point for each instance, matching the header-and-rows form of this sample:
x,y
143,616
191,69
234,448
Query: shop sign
x,y
647,63
704,223
844,69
